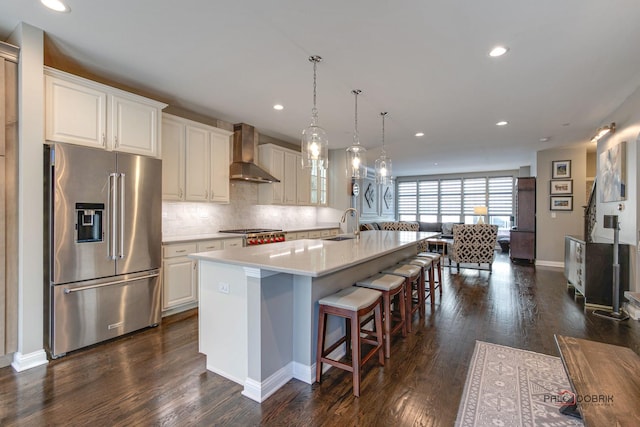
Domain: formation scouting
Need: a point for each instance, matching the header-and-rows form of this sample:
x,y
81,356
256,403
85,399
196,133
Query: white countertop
x,y
196,237
215,236
312,228
316,257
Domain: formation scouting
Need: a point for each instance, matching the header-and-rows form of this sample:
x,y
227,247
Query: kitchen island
x,y
258,306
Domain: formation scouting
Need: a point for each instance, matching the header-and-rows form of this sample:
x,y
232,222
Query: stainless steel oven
x,y
258,236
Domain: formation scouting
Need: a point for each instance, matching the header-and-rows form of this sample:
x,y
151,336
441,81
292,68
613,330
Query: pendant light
x,y
383,163
315,145
356,154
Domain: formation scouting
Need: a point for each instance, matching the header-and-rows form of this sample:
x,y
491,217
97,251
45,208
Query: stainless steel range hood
x,y
243,166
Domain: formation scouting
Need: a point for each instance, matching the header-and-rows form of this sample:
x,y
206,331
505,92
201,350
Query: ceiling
x,y
570,64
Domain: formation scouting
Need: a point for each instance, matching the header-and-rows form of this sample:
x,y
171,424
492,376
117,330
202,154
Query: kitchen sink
x,y
339,238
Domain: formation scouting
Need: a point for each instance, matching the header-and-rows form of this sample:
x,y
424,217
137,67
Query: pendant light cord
x,y
356,137
314,111
383,117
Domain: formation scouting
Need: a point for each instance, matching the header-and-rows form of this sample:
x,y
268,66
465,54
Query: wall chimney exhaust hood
x,y
244,147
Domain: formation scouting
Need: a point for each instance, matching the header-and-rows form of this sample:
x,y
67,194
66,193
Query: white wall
x,y
30,251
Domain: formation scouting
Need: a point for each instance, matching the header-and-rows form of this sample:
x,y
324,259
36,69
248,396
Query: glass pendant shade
x,y
383,170
357,158
315,144
356,154
383,163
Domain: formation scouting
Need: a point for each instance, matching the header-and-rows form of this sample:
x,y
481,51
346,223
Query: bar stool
x,y
391,286
427,275
436,261
350,303
412,275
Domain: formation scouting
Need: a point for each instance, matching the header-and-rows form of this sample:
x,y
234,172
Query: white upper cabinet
x,y
297,186
197,157
75,113
272,159
173,162
303,188
83,112
291,167
195,161
134,126
219,174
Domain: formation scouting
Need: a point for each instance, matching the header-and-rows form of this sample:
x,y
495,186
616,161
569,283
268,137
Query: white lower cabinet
x,y
179,276
180,273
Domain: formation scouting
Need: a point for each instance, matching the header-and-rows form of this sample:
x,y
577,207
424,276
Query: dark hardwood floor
x,y
157,377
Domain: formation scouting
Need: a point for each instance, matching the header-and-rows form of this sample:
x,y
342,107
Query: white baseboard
x,y
225,375
544,263
22,362
304,373
260,391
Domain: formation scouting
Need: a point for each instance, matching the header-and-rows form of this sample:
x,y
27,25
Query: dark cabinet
x,y
523,235
588,268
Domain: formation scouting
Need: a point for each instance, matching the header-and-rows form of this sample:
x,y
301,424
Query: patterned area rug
x,y
510,387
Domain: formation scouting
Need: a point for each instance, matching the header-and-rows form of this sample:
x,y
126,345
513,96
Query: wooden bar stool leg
x,y
432,285
403,310
386,336
355,350
440,275
378,321
408,294
421,291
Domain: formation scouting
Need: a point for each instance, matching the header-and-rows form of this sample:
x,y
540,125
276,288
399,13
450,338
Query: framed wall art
x,y
561,169
561,186
561,203
612,171
386,199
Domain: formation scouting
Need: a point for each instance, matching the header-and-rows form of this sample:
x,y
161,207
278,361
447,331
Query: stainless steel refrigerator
x,y
103,233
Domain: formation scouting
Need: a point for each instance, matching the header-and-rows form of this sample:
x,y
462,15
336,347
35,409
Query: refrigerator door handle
x,y
122,214
113,188
115,282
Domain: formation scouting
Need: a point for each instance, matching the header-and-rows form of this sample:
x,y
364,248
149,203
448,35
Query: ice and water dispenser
x,y
89,222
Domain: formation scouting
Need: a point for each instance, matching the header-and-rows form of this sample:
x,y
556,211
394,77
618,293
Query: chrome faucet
x,y
356,233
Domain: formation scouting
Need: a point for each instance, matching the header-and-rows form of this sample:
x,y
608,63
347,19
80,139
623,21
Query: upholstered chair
x,y
473,244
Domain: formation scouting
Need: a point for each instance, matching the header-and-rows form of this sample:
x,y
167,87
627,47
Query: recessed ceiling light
x,y
419,134
498,51
56,5
544,139
502,123
278,107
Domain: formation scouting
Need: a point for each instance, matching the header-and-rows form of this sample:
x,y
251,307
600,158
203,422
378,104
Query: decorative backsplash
x,y
186,218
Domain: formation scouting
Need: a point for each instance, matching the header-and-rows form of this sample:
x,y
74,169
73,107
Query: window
x,y
450,199
407,201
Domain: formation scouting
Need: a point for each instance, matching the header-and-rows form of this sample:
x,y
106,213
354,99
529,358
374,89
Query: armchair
x,y
473,243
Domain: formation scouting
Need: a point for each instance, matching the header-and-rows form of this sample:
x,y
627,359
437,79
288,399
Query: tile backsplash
x,y
187,218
